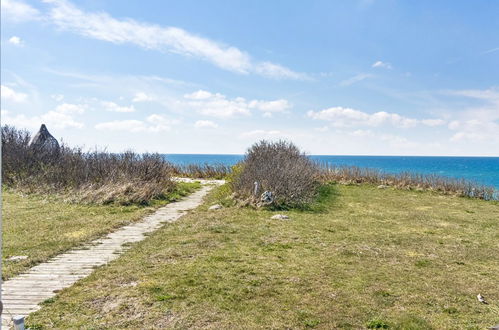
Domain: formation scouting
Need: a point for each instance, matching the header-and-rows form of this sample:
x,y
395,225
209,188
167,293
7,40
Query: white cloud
x,y
18,11
491,51
104,27
60,120
68,108
199,95
11,95
478,123
52,119
280,105
154,123
159,123
322,129
111,106
260,134
347,117
380,64
142,97
474,130
355,79
205,124
490,95
16,41
130,125
57,97
277,71
218,105
433,122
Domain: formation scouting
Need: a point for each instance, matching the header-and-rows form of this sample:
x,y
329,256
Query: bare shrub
x,y
206,171
96,177
281,168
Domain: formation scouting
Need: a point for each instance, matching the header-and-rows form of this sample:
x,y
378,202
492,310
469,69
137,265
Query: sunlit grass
x,y
41,226
369,258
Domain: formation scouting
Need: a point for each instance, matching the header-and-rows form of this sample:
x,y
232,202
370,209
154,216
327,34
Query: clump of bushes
x,y
279,168
206,171
94,177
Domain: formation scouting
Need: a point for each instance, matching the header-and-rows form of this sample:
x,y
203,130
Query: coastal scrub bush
x,y
280,168
96,177
205,171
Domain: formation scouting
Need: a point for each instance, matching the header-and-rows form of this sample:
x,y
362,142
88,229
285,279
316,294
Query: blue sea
x,y
483,170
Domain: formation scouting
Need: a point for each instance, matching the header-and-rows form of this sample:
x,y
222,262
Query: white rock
x,y
279,217
481,299
17,258
382,186
215,207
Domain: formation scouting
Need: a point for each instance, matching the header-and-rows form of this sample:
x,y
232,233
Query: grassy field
x,y
371,258
41,227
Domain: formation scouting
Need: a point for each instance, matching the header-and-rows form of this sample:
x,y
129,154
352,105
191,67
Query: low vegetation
x,y
40,226
90,177
206,171
369,258
459,187
276,167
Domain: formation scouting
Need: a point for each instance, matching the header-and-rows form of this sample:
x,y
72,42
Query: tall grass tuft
x,y
95,177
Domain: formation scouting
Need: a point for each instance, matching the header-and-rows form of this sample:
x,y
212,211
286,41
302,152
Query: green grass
x,y
370,258
41,227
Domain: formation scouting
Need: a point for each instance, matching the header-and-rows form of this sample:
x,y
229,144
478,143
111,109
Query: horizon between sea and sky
x,y
362,77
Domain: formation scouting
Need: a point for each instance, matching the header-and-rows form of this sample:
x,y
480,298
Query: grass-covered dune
x,y
369,258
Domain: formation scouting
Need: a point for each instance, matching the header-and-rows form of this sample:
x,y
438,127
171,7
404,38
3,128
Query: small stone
x,y
215,207
382,186
17,258
279,217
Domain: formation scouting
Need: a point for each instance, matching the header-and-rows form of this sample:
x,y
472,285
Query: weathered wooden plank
x,y
23,294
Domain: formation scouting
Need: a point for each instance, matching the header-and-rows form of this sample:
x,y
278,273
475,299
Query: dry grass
x,y
371,257
42,226
91,177
459,187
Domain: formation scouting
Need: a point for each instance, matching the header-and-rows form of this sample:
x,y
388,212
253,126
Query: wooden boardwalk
x,y
22,294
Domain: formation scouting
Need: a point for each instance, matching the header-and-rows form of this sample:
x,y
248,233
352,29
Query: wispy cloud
x,y
18,11
103,26
479,123
113,107
347,117
9,94
218,105
58,118
15,40
205,124
142,97
355,79
380,64
260,134
154,123
490,51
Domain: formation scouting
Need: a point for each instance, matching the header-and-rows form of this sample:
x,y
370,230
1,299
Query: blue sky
x,y
363,77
